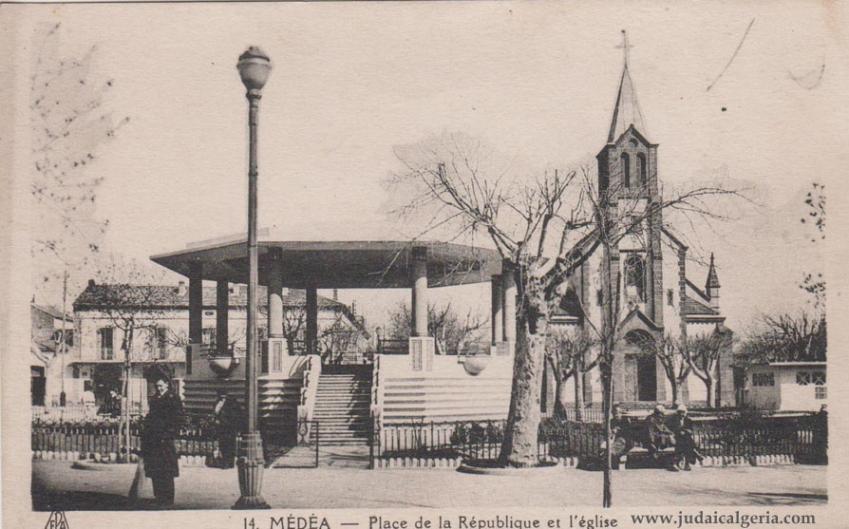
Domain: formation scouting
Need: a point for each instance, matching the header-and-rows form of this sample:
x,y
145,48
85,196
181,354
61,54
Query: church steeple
x,y
712,285
627,111
628,161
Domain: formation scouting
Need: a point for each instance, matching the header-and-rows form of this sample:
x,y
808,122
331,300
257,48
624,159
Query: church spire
x,y
627,111
712,286
712,279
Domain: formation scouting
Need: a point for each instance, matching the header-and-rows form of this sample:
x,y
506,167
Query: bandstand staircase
x,y
342,405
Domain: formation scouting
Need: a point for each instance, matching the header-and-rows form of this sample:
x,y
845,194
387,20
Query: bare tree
x,y
813,282
443,323
786,338
532,221
570,354
294,324
131,297
70,125
670,352
702,354
456,181
615,217
340,337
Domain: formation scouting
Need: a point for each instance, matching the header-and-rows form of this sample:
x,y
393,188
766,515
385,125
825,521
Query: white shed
x,y
787,386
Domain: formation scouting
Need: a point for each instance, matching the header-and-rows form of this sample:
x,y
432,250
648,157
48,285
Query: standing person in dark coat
x,y
229,422
161,427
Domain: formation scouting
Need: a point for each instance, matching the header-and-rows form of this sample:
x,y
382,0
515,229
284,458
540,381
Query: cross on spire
x,y
625,47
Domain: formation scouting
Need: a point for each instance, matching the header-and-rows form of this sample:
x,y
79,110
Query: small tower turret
x,y
712,285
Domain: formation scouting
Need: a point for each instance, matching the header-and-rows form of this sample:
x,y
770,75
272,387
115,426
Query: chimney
x,y
181,288
335,294
91,283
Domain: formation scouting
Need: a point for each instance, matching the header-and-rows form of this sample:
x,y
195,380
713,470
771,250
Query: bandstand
x,y
396,383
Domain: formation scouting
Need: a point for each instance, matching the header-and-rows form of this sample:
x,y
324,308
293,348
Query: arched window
x,y
643,167
635,277
626,170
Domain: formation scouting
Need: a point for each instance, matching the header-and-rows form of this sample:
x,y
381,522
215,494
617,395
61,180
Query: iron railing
x,y
804,437
108,437
393,347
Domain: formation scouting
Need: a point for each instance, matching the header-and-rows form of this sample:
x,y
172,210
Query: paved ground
x,y
57,486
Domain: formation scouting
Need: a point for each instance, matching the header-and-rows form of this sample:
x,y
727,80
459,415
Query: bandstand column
x,y
497,318
222,317
508,282
419,291
195,312
312,319
275,297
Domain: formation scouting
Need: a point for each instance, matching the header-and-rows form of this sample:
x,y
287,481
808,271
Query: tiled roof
x,y
166,296
50,311
694,307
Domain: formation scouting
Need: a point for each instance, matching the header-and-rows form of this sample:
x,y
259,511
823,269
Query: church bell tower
x,y
627,182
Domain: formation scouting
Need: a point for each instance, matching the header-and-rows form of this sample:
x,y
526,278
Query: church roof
x,y
627,111
696,307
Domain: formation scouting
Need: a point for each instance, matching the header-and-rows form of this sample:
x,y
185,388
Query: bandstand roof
x,y
336,264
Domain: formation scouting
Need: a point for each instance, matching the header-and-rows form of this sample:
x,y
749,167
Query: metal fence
x,y
108,437
392,347
479,440
802,437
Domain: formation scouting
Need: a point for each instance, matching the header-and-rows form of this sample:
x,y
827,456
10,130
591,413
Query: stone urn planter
x,y
474,365
223,365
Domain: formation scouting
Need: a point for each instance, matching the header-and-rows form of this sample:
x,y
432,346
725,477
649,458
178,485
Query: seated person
x,y
682,427
659,435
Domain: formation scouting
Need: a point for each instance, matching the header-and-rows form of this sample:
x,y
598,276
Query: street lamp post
x,y
254,67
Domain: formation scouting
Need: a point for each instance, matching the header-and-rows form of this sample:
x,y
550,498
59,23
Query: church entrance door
x,y
646,378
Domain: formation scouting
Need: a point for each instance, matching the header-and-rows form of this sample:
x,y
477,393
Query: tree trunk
x,y
579,395
519,448
128,341
673,383
709,397
606,403
561,402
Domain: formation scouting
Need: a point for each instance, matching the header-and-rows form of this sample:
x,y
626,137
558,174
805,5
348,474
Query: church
x,y
658,301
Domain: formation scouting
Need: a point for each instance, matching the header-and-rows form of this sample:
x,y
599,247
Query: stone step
x,y
346,429
344,442
343,432
343,427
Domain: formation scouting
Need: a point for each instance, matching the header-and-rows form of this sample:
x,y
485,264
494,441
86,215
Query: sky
x,y
534,80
